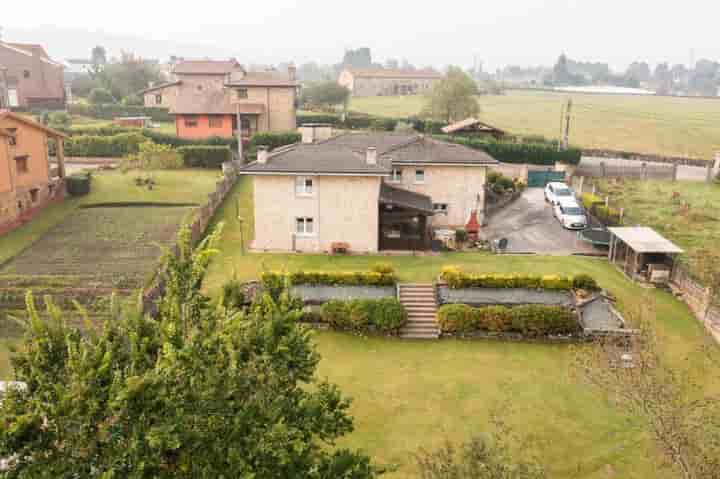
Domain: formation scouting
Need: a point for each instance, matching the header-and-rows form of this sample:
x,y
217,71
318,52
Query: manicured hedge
x,y
200,156
457,279
272,280
104,146
352,121
385,315
176,141
111,111
596,206
109,130
530,320
78,184
531,153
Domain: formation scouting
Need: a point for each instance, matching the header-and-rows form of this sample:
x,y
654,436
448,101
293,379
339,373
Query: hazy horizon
x,y
518,32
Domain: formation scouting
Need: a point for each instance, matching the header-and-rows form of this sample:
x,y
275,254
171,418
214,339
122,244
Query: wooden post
x,y
61,157
622,215
603,172
582,183
709,174
643,171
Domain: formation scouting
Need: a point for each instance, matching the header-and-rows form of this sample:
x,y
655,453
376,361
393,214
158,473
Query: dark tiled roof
x,y
405,199
159,87
206,67
382,141
204,103
263,79
318,159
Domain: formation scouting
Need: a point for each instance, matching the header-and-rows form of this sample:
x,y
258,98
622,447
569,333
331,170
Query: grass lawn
x,y
178,186
408,395
692,220
661,125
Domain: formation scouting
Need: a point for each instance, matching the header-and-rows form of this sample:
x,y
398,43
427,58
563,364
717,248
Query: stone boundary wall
x,y
203,216
699,299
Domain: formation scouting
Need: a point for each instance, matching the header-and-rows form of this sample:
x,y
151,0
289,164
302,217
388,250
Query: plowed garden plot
x,y
112,247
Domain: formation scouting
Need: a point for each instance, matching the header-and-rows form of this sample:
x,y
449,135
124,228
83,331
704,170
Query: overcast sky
x,y
526,32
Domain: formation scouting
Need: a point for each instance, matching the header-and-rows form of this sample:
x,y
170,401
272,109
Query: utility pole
x,y
566,135
562,121
239,135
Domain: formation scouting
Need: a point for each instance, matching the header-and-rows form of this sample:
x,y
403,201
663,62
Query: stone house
x,y
372,191
27,180
208,98
30,79
386,82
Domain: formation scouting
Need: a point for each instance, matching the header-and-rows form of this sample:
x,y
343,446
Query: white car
x,y
556,192
571,215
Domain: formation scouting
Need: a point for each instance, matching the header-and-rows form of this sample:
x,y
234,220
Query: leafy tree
x,y
59,119
99,96
639,71
453,98
663,78
127,76
98,56
199,391
680,419
561,72
360,58
326,94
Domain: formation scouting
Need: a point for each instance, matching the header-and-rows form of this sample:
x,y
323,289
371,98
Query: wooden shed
x,y
643,254
474,127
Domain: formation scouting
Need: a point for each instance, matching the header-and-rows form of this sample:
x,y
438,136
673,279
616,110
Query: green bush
x,y
176,141
273,284
78,184
334,278
383,268
531,153
211,157
585,282
530,320
104,146
589,200
110,111
59,120
110,130
456,279
271,141
233,296
99,96
385,315
607,215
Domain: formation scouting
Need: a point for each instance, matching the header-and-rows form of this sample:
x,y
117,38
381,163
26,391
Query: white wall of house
x,y
343,208
461,188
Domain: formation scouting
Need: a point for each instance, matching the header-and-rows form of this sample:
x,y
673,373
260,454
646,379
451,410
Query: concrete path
x,y
530,227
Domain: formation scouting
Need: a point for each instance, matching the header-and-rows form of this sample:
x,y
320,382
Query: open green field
x,y
686,213
409,395
658,125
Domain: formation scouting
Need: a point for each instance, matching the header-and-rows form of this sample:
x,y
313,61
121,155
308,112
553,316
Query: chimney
x,y
262,154
292,72
371,156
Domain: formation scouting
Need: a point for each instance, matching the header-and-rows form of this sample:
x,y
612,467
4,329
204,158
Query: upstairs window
x,y
215,122
21,164
191,122
303,186
304,226
396,176
440,208
13,139
419,176
26,73
242,93
158,99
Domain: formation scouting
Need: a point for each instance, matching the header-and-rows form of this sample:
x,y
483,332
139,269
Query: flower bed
x,y
504,296
529,320
312,294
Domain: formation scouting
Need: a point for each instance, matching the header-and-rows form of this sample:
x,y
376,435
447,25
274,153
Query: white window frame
x,y
301,186
305,221
424,177
441,208
396,176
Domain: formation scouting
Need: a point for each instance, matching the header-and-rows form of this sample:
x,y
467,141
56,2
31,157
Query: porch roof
x,y
645,240
405,199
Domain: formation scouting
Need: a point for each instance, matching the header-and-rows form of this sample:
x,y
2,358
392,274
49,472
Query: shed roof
x,y
645,240
405,199
471,123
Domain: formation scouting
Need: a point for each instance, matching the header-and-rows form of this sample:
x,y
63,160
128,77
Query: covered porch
x,y
403,219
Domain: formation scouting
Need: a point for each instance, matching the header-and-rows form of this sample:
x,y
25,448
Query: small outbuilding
x,y
134,121
643,254
474,127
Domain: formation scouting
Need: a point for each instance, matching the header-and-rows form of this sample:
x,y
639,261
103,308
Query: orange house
x,y
205,126
28,182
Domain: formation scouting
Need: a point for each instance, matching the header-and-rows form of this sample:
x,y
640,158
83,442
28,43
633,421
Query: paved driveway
x,y
530,227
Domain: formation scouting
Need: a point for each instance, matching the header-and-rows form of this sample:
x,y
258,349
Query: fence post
x,y
582,184
643,171
709,174
622,215
602,170
594,188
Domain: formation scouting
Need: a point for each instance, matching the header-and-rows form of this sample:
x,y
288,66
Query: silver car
x,y
570,215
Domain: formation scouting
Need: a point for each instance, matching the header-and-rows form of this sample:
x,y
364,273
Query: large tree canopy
x,y
200,391
326,95
453,98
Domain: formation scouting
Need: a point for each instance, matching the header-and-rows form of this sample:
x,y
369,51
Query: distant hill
x,y
62,43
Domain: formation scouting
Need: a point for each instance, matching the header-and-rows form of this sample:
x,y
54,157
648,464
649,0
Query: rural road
x,y
530,227
685,173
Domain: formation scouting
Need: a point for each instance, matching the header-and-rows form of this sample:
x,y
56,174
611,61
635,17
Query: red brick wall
x,y
202,129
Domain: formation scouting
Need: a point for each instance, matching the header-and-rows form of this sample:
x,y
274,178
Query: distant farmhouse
x,y
386,82
206,97
30,79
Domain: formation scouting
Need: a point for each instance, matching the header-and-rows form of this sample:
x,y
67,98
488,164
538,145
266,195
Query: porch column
x,y
60,153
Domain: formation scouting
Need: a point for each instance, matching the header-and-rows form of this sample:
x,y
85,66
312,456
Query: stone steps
x,y
421,304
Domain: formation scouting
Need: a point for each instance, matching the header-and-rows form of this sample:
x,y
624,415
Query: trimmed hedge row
x,y
457,279
201,156
271,280
111,111
596,206
176,141
104,146
385,315
531,153
531,320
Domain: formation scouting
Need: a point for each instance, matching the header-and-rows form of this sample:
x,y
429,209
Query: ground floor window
x,y
440,208
191,122
21,164
34,195
396,176
304,226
